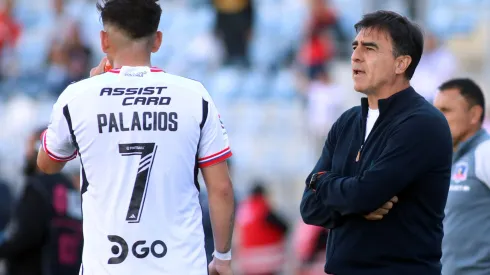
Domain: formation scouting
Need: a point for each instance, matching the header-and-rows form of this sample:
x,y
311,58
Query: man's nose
x,y
356,56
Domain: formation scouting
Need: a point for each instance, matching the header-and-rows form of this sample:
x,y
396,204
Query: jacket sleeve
x,y
415,146
28,226
313,211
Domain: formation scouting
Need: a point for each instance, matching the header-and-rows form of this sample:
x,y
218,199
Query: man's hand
x,y
383,210
220,267
101,68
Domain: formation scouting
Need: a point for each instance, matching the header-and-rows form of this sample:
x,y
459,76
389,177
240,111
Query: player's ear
x,y
157,42
104,41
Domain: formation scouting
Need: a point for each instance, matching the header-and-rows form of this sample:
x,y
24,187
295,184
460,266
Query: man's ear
x,y
157,42
104,41
402,63
475,114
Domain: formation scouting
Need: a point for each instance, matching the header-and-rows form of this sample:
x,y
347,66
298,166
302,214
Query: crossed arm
x,y
413,147
313,211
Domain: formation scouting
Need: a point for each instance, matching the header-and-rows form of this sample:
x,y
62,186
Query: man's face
x,y
373,63
456,109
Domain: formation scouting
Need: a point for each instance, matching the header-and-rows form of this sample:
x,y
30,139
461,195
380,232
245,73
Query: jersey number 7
x,y
147,151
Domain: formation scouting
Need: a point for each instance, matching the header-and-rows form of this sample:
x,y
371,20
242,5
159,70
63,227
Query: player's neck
x,y
131,60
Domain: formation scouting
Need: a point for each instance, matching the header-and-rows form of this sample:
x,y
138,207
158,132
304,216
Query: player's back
x,y
140,135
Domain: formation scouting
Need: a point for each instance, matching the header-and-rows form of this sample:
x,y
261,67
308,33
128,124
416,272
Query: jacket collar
x,y
393,103
472,142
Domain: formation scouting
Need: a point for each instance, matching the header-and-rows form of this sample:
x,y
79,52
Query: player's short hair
x,y
469,90
406,36
137,18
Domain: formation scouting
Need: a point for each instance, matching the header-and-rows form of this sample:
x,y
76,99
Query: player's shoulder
x,y
78,88
187,84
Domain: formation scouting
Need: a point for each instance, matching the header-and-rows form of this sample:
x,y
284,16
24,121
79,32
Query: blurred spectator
x,y
261,235
325,100
62,23
10,31
45,234
79,56
68,58
310,248
318,47
437,65
234,24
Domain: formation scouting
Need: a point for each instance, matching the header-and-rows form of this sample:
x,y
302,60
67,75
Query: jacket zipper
x,y
358,157
364,140
363,134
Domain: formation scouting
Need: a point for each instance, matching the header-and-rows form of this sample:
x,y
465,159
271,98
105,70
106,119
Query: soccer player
x,y
141,134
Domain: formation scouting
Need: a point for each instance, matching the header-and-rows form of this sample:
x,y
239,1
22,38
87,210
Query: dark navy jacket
x,y
407,154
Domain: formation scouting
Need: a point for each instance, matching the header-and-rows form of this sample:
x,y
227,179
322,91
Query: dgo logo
x,y
158,249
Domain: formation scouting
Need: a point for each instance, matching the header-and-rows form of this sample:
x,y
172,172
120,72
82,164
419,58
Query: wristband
x,y
222,256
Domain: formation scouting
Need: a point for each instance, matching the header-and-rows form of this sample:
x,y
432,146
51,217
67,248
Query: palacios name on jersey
x,y
140,121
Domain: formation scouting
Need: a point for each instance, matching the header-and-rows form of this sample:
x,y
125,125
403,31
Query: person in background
x,y
261,235
44,236
79,55
325,100
467,223
438,64
310,249
10,31
234,24
68,57
318,48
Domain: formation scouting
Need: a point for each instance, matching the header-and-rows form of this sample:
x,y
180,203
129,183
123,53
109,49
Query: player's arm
x,y
415,146
47,165
221,204
213,151
313,211
57,145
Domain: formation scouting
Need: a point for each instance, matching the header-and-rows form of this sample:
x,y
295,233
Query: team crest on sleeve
x,y
460,172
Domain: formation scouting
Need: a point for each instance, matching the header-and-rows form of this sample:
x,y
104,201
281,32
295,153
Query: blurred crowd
x,y
279,71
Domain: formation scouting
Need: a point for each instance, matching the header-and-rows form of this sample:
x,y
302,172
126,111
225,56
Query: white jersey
x,y
141,135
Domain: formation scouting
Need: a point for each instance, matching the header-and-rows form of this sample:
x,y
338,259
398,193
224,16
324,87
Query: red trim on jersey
x,y
215,158
53,156
215,155
152,69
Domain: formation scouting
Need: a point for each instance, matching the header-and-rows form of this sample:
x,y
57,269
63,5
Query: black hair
x,y
407,37
138,18
469,90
